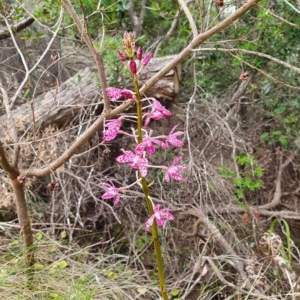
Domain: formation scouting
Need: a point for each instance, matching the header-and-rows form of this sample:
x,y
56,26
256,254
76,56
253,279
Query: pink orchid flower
x,y
157,106
155,115
112,129
147,144
159,215
172,138
111,192
172,171
135,160
157,112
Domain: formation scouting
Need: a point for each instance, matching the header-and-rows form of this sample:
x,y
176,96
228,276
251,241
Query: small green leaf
x,y
243,206
238,181
259,171
284,141
62,264
38,266
280,110
52,249
264,136
63,234
272,142
239,193
14,243
175,292
257,184
39,235
294,103
26,93
276,132
56,297
112,275
247,182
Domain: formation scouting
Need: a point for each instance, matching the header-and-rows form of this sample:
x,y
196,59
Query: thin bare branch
x,y
189,17
265,73
278,61
292,6
97,56
278,193
278,17
28,72
135,20
217,236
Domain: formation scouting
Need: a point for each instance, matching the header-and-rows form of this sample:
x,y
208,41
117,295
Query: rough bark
x,y
19,195
61,105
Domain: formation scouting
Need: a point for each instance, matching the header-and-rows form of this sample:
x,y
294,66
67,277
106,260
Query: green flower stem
x,y
138,108
155,236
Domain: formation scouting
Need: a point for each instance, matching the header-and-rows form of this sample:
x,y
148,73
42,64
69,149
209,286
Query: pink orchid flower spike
x,y
111,192
172,171
160,215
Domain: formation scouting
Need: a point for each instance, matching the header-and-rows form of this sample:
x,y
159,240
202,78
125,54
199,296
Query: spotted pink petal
x,y
113,93
140,163
149,222
172,171
161,108
155,115
172,138
142,167
111,129
128,156
112,192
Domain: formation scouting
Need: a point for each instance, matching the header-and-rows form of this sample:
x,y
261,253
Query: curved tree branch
x,y
16,28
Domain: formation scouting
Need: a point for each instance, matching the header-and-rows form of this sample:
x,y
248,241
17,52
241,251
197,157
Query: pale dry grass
x,y
70,272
